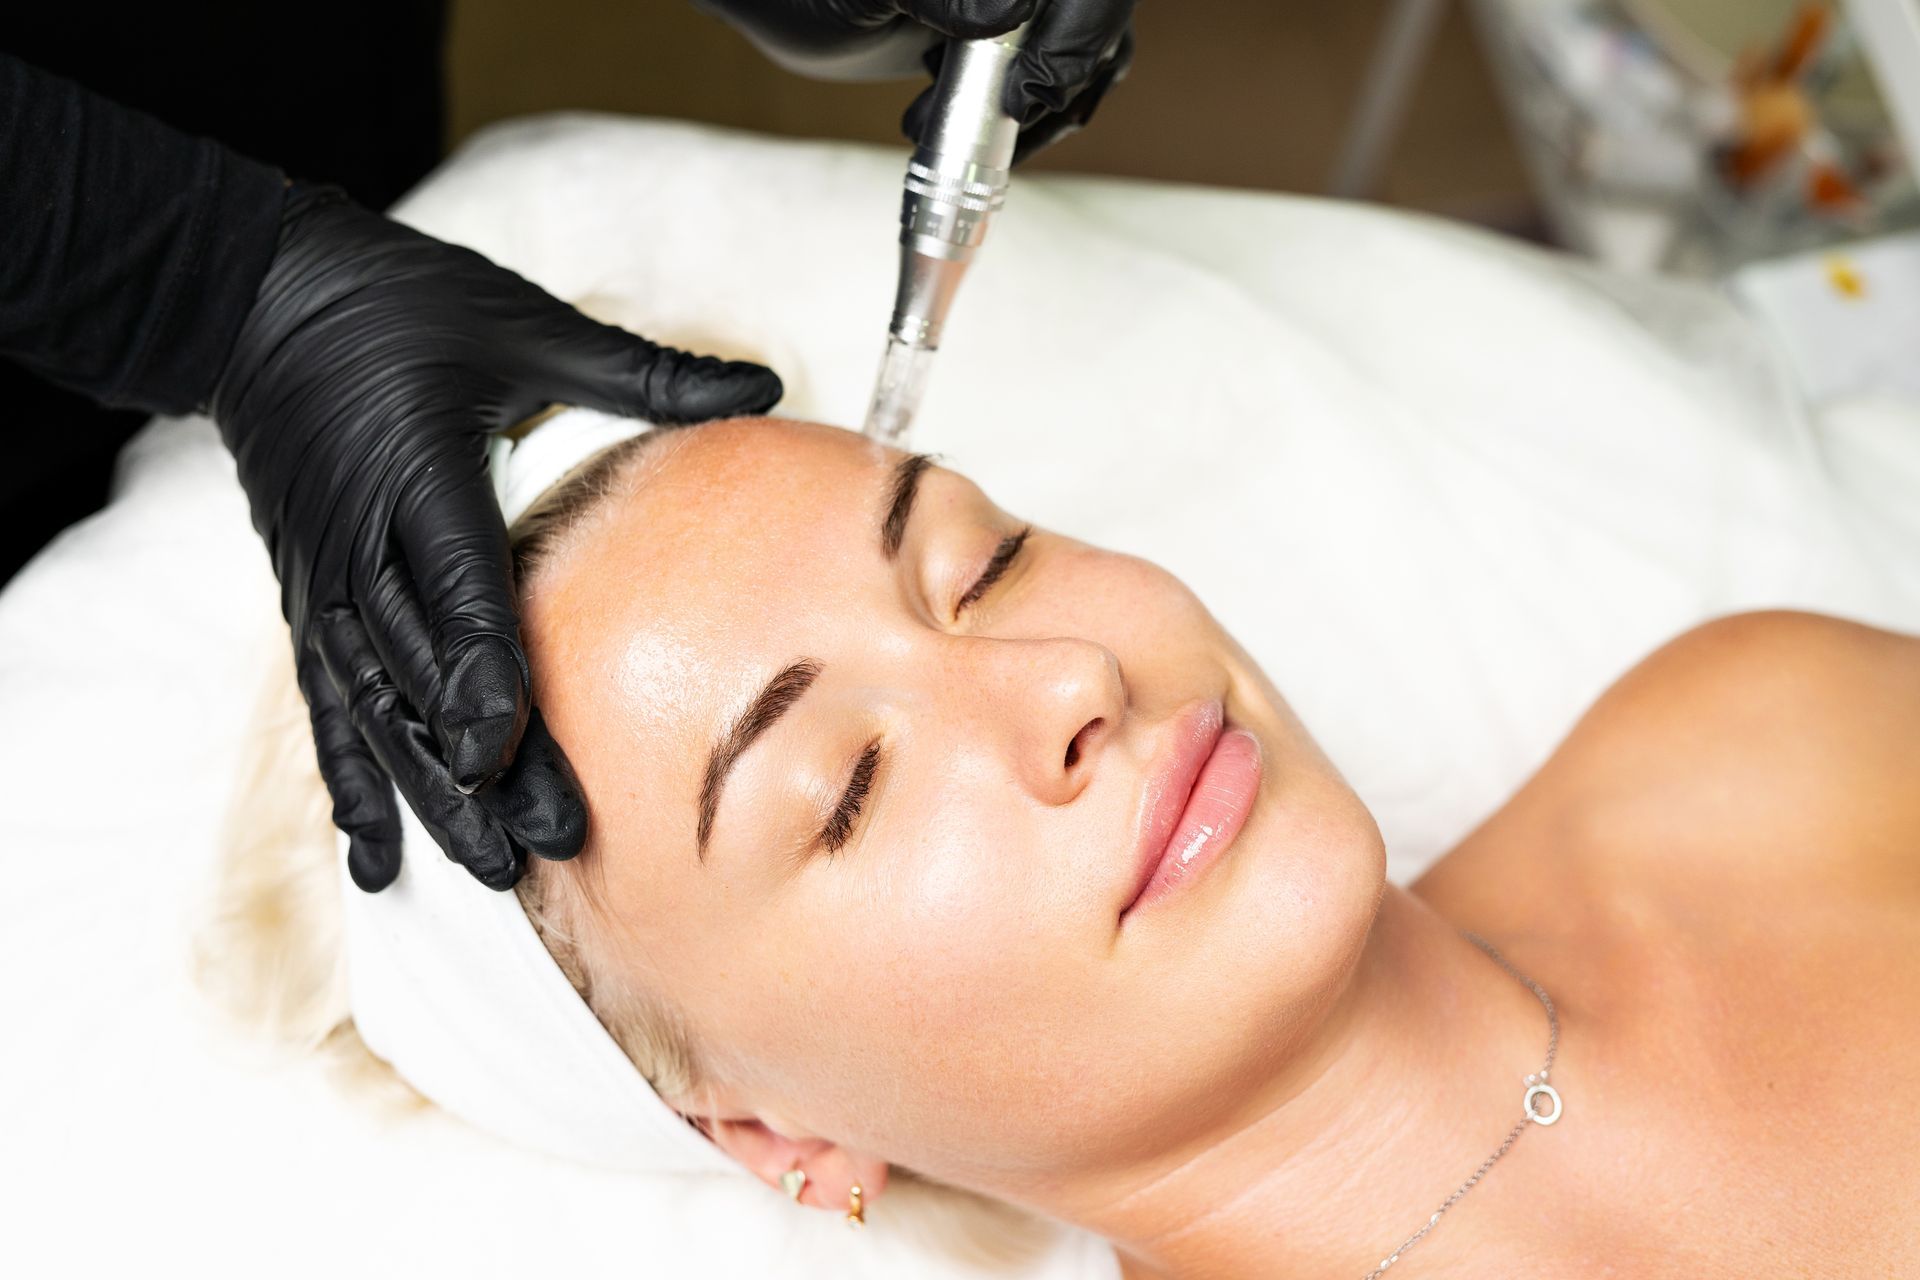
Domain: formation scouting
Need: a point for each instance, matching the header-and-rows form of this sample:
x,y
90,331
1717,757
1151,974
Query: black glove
x,y
1075,52
358,402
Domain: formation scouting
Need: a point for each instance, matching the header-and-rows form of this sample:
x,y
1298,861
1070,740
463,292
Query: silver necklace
x,y
1537,1088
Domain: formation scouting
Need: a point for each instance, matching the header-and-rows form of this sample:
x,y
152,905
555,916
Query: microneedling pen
x,y
955,182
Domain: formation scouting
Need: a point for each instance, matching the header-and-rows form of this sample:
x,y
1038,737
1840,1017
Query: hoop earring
x,y
793,1182
856,1212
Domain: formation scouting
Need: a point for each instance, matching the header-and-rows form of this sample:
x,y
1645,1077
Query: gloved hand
x,y
1075,52
358,402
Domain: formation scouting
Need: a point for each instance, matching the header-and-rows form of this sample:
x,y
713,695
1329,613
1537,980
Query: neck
x,y
1414,1078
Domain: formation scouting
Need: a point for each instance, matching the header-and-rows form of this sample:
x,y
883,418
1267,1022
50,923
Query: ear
x,y
831,1171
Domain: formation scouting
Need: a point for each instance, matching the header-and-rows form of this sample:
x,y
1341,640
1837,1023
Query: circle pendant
x,y
1549,1092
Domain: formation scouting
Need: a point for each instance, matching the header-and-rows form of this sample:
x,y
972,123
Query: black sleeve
x,y
129,252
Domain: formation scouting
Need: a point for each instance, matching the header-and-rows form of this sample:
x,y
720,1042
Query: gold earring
x,y
856,1212
793,1182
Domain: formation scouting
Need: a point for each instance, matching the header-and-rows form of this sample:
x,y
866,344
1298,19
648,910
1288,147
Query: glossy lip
x,y
1210,802
1195,736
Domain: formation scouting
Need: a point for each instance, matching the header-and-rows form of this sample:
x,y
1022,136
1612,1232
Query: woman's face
x,y
926,755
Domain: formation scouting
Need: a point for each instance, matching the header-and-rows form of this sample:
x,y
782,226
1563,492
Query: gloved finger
x,y
402,745
390,609
607,368
1052,128
1065,50
969,19
449,528
363,802
537,799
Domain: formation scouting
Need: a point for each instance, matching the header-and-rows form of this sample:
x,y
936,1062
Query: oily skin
x,y
982,886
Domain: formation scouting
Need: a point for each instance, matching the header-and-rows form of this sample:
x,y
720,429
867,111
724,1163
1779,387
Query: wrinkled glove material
x,y
1074,53
358,402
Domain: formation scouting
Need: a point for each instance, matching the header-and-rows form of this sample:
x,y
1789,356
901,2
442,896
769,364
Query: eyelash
x,y
1003,557
839,828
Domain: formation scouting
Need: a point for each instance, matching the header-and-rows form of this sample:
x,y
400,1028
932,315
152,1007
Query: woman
x,y
926,840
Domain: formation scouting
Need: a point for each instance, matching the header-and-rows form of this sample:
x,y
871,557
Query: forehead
x,y
739,549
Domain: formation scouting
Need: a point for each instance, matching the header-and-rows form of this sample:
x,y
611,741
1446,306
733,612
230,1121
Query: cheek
x,y
1132,606
952,919
945,959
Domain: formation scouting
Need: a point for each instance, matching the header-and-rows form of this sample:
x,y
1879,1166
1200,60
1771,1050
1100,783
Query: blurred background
x,y
1675,135
1245,93
1686,136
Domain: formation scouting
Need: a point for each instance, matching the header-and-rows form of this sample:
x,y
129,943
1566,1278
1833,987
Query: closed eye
x,y
840,823
1003,557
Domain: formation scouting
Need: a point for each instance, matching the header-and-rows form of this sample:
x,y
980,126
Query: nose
x,y
1055,705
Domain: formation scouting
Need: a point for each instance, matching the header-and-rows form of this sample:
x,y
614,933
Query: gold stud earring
x,y
793,1182
856,1212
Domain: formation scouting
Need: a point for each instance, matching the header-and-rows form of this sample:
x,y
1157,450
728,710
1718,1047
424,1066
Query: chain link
x,y
1537,1078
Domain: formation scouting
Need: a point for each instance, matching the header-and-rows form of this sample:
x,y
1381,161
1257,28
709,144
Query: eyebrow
x,y
905,488
788,684
772,702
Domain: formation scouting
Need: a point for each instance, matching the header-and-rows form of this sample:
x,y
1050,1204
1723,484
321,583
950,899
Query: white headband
x,y
449,983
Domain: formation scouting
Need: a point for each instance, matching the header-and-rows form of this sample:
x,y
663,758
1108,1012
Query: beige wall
x,y
1237,92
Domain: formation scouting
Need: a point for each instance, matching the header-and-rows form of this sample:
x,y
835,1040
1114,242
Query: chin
x,y
1294,915
1251,971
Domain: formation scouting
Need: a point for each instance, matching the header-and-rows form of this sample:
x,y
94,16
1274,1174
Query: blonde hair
x,y
269,951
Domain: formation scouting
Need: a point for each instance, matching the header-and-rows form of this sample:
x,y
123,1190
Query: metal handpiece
x,y
955,182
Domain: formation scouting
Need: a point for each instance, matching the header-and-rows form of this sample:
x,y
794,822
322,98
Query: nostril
x,y
1073,747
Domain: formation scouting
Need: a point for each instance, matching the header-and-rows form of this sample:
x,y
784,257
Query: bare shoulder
x,y
1720,866
1780,736
1776,742
1782,661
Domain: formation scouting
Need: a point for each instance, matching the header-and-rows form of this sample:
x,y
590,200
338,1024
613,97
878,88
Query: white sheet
x,y
1446,488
